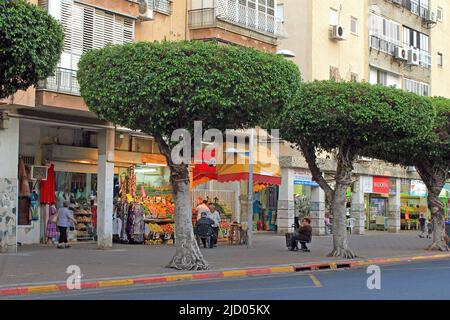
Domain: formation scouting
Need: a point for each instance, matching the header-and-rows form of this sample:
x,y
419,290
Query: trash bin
x,y
447,230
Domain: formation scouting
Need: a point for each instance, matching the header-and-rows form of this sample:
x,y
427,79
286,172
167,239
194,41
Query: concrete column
x,y
9,149
286,204
357,207
317,212
105,192
394,209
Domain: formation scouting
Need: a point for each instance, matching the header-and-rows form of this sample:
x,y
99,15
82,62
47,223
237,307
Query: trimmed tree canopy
x,y
332,114
162,86
31,42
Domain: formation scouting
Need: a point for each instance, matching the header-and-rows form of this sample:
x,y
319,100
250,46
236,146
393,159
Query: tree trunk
x,y
437,217
338,206
434,178
187,255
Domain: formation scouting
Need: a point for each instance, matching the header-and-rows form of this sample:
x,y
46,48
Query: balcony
x,y
378,43
64,81
239,15
416,7
161,6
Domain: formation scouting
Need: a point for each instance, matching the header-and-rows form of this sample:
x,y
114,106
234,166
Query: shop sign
x,y
418,188
304,177
380,185
367,184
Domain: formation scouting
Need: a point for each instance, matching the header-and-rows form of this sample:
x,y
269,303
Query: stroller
x,y
290,235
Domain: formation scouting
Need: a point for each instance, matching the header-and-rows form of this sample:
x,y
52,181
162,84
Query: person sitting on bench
x,y
205,231
303,235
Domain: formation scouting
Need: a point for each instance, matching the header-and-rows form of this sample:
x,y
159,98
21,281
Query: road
x,y
409,281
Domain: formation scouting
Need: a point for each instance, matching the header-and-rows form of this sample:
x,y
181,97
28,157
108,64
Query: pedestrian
x,y
202,207
422,224
303,234
64,221
430,228
52,231
204,230
215,216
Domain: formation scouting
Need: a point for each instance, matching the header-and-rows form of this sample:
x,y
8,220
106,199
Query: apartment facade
x,y
50,125
399,43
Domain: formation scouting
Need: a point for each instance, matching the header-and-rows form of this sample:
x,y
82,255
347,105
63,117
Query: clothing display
x,y
48,187
34,206
52,231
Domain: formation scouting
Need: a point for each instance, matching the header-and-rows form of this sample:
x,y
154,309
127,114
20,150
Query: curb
x,y
234,273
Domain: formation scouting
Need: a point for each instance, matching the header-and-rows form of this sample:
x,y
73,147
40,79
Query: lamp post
x,y
287,54
250,193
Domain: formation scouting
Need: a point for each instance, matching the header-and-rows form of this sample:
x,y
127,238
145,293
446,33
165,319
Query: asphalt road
x,y
409,281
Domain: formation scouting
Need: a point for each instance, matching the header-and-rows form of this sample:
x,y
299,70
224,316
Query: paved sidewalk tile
x,y
34,264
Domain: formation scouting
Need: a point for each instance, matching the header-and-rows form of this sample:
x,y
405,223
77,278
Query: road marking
x,y
315,280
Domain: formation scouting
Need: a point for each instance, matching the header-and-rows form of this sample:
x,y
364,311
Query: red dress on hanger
x,y
48,187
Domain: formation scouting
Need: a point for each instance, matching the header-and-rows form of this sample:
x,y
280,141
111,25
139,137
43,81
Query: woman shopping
x,y
65,219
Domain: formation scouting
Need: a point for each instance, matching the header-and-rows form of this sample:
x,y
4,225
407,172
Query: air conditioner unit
x,y
400,53
431,17
337,32
145,11
400,2
39,172
411,169
413,57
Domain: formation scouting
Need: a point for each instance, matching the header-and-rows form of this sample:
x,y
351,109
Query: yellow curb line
x,y
115,283
43,289
235,273
282,269
179,277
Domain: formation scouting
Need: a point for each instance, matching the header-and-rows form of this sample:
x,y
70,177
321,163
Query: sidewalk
x,y
41,264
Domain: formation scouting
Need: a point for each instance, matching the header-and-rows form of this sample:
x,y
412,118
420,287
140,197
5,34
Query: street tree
x,y
430,154
163,86
31,43
344,118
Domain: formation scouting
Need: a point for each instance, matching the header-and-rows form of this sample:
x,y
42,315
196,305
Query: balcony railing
x,y
162,6
242,16
378,43
64,80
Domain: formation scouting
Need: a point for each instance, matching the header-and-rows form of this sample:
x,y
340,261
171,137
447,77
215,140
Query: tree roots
x,y
343,253
188,263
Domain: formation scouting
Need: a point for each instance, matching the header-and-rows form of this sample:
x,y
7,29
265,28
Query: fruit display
x,y
159,207
168,228
155,228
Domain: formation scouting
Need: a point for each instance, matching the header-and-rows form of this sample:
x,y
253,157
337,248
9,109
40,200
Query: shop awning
x,y
235,166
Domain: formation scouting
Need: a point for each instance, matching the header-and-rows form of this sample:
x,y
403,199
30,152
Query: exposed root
x,y
188,263
342,253
438,246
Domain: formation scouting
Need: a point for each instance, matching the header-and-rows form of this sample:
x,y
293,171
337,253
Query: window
x,y
382,77
88,28
280,12
420,88
354,77
384,34
334,20
417,40
440,14
354,25
440,59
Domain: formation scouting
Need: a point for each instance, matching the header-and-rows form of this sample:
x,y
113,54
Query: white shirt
x,y
215,216
202,208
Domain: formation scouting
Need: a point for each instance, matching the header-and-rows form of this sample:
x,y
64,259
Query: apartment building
x,y
399,43
50,125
